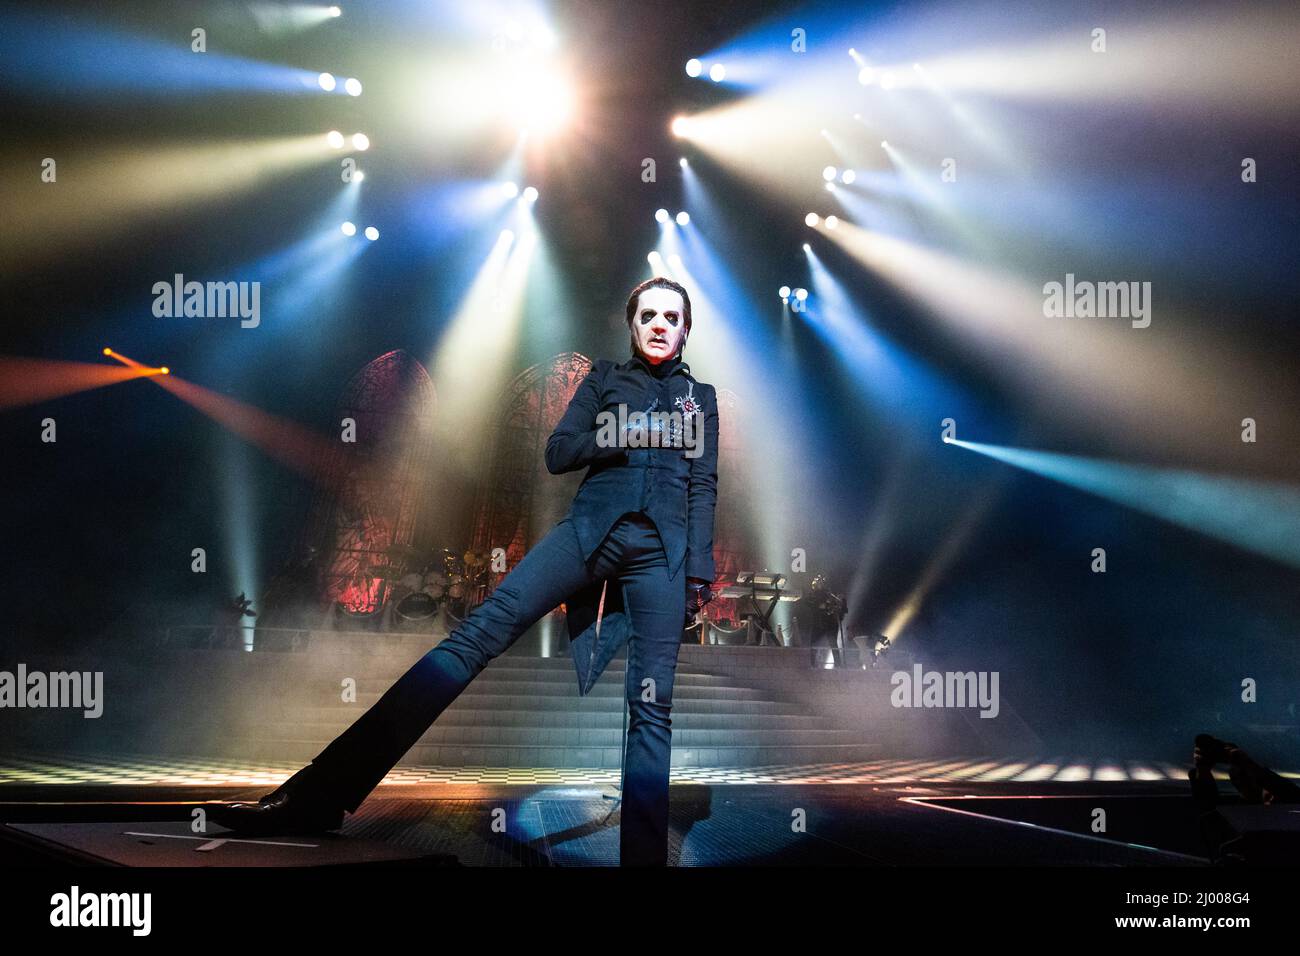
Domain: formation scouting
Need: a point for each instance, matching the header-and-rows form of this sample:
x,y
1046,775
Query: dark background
x,y
98,528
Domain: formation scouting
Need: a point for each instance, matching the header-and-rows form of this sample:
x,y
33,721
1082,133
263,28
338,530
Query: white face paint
x,y
659,325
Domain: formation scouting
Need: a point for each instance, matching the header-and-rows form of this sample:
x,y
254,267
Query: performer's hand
x,y
648,434
698,594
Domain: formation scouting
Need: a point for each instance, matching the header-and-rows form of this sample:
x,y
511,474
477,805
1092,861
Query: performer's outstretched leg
x,y
341,776
355,763
657,606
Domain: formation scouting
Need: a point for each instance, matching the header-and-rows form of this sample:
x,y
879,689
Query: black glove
x,y
650,434
698,594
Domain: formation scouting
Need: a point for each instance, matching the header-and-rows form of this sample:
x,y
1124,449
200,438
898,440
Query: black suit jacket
x,y
675,487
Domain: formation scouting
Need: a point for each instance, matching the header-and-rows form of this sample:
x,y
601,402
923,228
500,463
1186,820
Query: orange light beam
x,y
27,381
132,363
289,443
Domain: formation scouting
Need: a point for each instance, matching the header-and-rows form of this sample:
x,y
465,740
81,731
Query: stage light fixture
x,y
358,176
681,126
327,82
510,190
884,144
682,162
107,350
848,176
784,292
360,141
348,229
866,75
544,99
683,218
530,92
717,73
165,370
353,86
829,173
335,11
832,222
806,247
694,67
530,194
801,294
372,233
334,138
661,215
811,219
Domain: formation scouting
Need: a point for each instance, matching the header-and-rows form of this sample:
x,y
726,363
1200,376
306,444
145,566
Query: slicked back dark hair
x,y
659,282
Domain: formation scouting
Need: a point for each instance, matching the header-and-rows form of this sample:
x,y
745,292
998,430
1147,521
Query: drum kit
x,y
424,582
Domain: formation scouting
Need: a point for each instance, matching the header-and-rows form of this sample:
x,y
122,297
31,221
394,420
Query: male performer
x,y
642,520
820,613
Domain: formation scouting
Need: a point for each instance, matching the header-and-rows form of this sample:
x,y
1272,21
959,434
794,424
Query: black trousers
x,y
632,553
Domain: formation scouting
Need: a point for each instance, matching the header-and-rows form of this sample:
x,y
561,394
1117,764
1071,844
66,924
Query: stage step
x,y
575,736
579,757
526,712
683,717
732,707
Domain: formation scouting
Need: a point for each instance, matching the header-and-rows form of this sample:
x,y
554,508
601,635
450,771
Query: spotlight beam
x,y
952,546
1102,371
27,381
289,443
117,188
1260,517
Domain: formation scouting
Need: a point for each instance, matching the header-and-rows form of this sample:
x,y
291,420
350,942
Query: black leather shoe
x,y
286,811
1213,749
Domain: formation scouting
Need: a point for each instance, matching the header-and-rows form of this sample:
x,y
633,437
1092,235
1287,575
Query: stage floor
x,y
136,810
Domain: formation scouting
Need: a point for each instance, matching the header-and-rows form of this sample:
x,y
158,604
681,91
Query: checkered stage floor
x,y
875,812
137,770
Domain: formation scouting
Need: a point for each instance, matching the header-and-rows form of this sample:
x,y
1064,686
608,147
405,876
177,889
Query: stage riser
x,y
606,758
733,707
322,734
683,717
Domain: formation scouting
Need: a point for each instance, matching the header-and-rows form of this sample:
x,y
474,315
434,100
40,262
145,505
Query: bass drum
x,y
419,607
